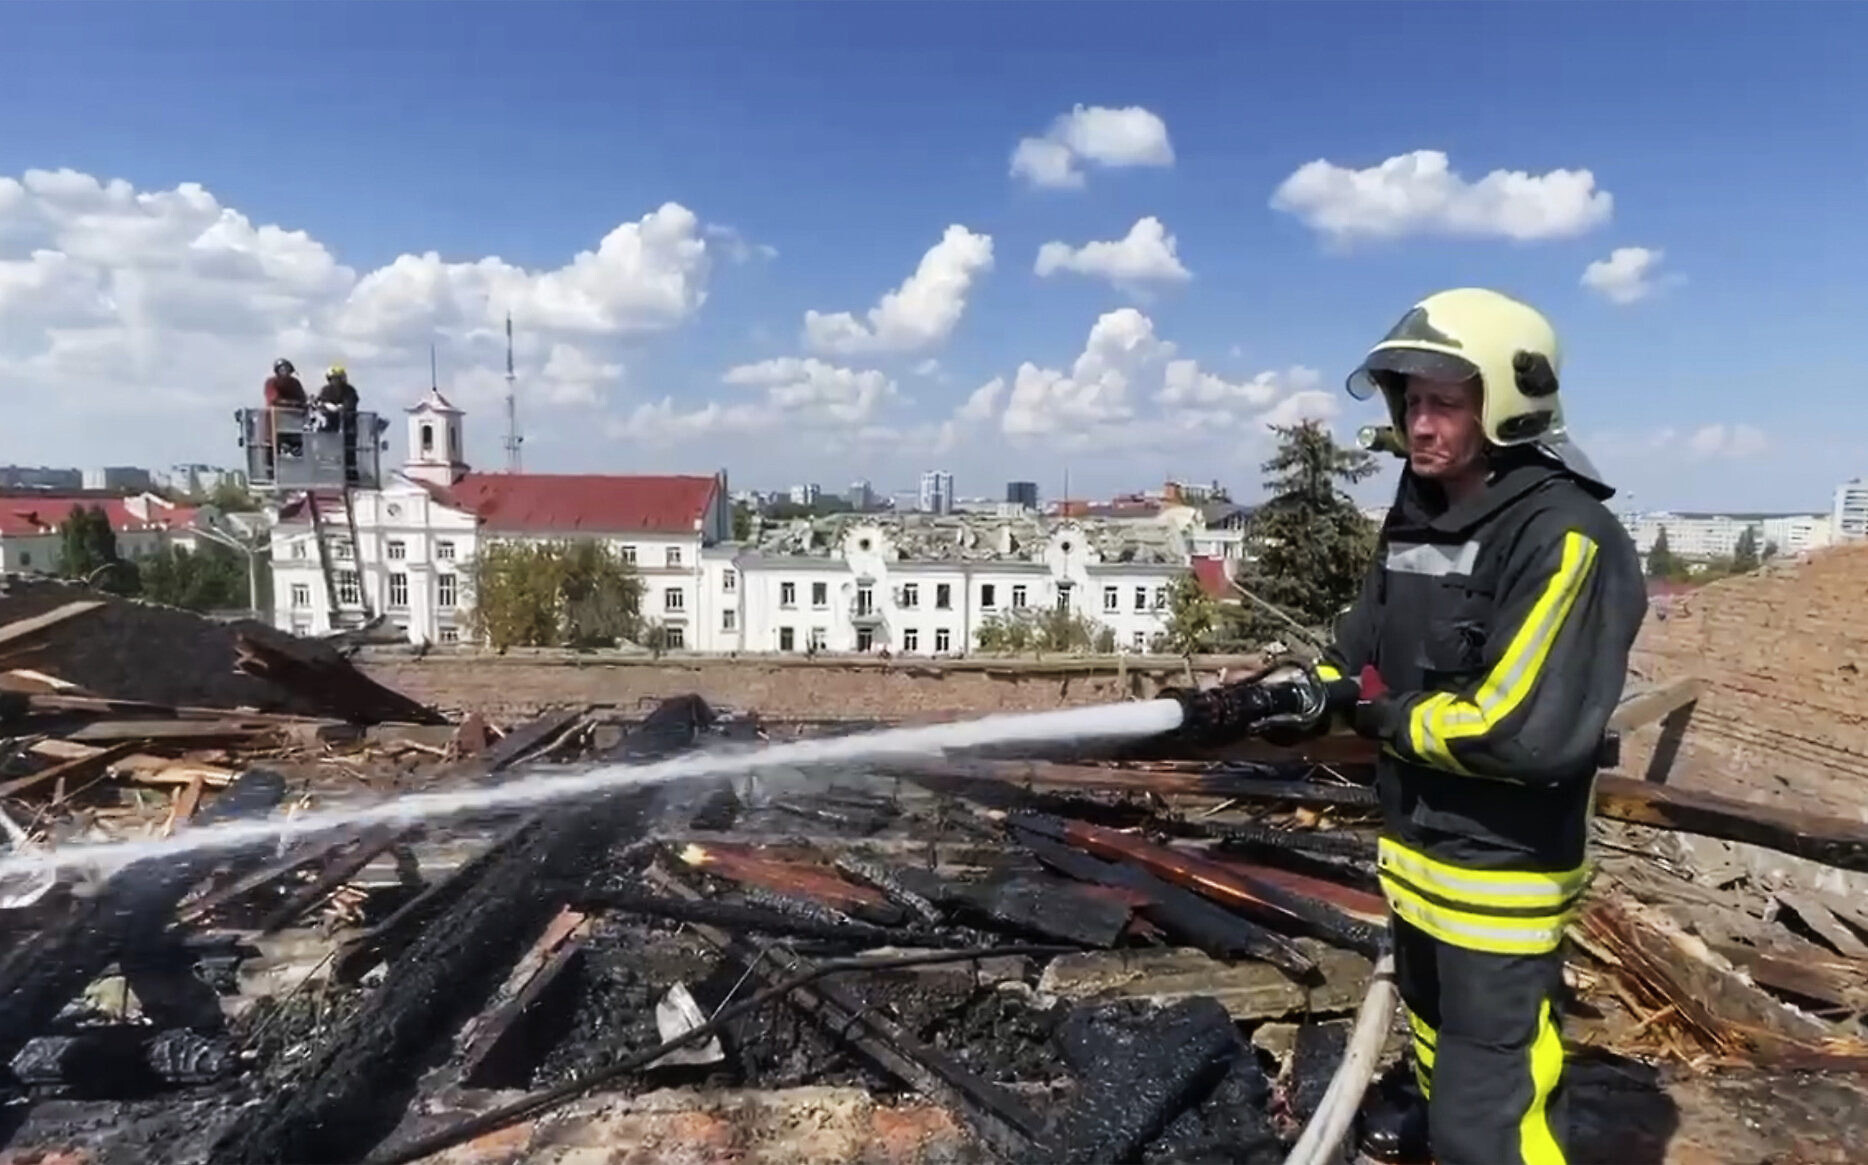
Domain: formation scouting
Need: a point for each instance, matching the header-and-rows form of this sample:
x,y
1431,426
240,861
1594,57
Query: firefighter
x,y
340,396
1486,651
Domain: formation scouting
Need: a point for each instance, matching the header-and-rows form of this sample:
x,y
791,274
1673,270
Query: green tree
x,y
1661,562
1745,554
742,522
88,550
553,594
231,498
1007,633
213,578
1770,551
1193,617
1312,545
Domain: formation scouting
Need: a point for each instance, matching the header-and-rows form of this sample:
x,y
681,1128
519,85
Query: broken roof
x,y
930,538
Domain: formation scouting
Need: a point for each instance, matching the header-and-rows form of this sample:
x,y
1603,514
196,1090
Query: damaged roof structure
x,y
1069,955
977,538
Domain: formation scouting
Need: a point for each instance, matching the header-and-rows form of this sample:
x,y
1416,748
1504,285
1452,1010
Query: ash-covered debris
x,y
1126,955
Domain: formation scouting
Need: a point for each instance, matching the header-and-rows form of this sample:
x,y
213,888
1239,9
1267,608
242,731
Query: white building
x,y
417,536
118,477
936,496
144,524
1713,536
1849,515
200,480
806,495
862,496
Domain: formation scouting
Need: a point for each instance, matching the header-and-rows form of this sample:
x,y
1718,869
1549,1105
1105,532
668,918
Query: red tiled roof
x,y
1213,577
20,516
596,503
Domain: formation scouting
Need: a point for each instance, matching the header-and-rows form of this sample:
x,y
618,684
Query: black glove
x,y
1305,704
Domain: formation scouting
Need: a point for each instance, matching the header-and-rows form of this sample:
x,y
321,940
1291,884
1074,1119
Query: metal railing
x,y
311,449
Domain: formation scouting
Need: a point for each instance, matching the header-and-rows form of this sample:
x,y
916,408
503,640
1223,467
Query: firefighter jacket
x,y
1500,628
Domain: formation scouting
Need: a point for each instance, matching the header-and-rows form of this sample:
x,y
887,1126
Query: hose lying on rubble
x,y
1330,1123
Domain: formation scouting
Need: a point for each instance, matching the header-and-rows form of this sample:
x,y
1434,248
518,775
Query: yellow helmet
x,y
335,372
1457,335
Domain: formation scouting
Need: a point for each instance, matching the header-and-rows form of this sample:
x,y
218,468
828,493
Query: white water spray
x,y
1107,722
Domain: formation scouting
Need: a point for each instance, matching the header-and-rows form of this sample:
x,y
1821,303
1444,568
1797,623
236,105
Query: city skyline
x,y
1124,264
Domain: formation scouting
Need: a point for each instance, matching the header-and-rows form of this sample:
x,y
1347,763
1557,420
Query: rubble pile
x,y
1089,958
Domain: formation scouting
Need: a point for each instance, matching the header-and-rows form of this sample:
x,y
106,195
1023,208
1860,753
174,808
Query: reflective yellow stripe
x,y
1328,673
1506,888
1477,932
1424,1078
1536,1142
1422,1032
1442,718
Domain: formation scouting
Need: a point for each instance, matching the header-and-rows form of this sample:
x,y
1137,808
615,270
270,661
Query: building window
x,y
729,620
988,596
629,555
673,600
819,638
298,549
675,638
911,596
943,597
444,550
1141,641
865,601
1141,598
398,549
349,592
911,639
787,639
788,594
1018,597
341,548
450,635
943,639
1112,599
301,595
820,594
672,556
1160,598
1063,597
865,639
444,591
428,440
398,590
729,581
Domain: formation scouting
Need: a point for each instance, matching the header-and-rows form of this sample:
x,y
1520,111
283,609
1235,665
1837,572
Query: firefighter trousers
x,y
1487,1049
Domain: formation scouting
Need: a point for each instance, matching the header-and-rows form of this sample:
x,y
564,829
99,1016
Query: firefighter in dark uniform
x,y
1486,653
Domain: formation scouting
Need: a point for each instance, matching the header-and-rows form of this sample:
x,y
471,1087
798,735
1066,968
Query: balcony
x,y
296,449
865,614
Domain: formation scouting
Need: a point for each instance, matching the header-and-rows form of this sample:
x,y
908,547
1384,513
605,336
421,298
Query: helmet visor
x,y
1393,364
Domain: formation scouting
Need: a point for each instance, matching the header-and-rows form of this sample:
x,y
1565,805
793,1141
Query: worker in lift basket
x,y
283,392
1486,653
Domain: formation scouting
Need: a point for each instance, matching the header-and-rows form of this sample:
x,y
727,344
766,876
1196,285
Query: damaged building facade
x,y
910,585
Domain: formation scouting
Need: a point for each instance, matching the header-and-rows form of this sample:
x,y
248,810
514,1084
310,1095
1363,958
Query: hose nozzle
x,y
1223,714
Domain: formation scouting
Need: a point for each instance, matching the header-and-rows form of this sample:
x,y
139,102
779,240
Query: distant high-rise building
x,y
862,498
118,477
1024,493
806,495
937,492
39,477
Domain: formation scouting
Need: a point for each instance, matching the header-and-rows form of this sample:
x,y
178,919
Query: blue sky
x,y
847,138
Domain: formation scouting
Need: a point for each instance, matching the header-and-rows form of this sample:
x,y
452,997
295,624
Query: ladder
x,y
349,602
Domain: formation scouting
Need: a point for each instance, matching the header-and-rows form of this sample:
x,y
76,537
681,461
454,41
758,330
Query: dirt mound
x,y
1785,654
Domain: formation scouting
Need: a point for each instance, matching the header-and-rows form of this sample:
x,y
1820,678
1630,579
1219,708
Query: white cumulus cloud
x,y
1147,254
1733,441
923,311
1420,194
793,393
1628,275
123,304
1112,138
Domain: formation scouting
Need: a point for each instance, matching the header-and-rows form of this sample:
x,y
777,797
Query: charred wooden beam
x,y
808,880
316,672
1833,841
81,768
127,921
361,853
735,916
314,849
1362,905
505,1041
199,733
1180,912
1234,888
515,746
387,940
1002,1120
884,881
1054,908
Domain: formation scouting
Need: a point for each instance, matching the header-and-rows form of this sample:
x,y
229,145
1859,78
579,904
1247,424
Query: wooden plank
x,y
1820,919
1652,705
1837,983
1248,989
21,631
534,975
77,769
1832,841
170,731
182,807
53,748
372,842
